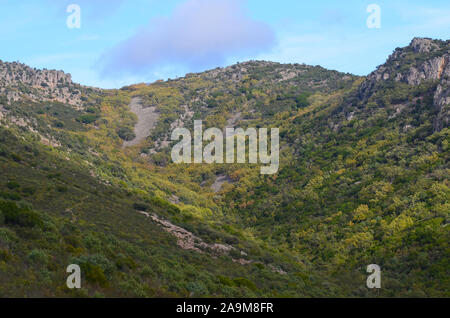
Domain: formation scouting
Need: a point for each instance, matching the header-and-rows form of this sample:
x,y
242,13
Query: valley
x,y
87,178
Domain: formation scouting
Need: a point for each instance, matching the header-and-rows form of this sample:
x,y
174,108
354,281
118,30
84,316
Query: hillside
x,y
87,178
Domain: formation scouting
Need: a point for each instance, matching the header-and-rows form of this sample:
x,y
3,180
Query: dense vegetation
x,y
361,181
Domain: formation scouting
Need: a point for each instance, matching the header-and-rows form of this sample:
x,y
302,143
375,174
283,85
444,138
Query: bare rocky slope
x,y
423,60
21,82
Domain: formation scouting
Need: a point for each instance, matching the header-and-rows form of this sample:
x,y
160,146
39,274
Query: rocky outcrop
x,y
413,65
423,60
187,240
423,45
18,81
441,101
433,69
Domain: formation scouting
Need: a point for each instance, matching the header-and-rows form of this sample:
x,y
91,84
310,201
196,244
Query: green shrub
x,y
225,280
12,185
126,133
10,196
302,100
87,119
61,188
141,206
95,268
3,151
259,266
95,274
38,257
22,216
16,157
169,207
7,237
244,282
59,124
4,255
29,190
197,288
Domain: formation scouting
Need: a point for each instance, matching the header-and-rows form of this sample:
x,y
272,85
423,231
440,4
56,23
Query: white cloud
x,y
198,35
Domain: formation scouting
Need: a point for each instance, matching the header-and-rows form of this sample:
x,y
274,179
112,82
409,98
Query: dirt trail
x,y
147,118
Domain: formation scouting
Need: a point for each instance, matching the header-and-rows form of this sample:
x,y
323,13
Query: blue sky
x,y
123,42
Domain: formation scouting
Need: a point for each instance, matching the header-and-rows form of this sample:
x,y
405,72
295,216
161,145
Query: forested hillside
x,y
363,179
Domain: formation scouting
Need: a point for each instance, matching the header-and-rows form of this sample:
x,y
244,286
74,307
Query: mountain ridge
x,y
363,179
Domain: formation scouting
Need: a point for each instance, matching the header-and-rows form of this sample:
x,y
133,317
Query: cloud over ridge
x,y
199,34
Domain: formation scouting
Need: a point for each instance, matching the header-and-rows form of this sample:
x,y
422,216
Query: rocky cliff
x,y
21,82
423,60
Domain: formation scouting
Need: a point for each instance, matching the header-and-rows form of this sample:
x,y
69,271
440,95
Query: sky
x,y
113,43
